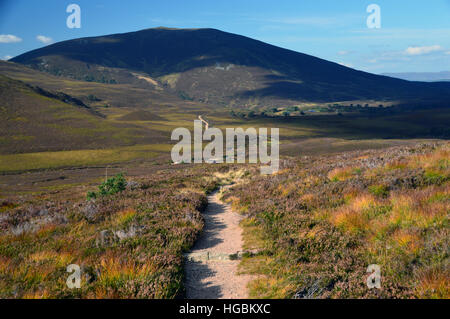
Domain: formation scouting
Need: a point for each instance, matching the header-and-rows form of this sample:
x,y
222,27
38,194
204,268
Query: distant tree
x,y
89,78
240,115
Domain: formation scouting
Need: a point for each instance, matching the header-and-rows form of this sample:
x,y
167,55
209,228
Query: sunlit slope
x,y
33,120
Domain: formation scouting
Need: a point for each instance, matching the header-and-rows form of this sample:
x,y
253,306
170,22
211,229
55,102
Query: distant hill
x,y
212,66
422,76
35,119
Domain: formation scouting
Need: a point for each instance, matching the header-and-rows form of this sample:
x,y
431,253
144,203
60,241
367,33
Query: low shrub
x,y
111,186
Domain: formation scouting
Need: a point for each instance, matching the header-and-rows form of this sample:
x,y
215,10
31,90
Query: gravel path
x,y
211,273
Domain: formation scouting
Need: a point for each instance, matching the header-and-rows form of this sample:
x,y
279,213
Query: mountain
x,y
213,66
422,76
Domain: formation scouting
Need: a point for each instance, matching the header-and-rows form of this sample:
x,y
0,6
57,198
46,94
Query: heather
x,y
128,242
312,230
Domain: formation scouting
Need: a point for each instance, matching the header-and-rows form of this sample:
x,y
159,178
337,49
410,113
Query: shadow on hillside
x,y
430,123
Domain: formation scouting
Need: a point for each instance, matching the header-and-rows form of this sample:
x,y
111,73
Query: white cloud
x,y
343,52
44,39
448,52
9,38
422,50
7,57
373,61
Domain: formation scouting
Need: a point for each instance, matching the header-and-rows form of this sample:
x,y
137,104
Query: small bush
x,y
111,186
434,178
379,190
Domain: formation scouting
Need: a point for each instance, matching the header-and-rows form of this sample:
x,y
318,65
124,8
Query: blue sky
x,y
414,34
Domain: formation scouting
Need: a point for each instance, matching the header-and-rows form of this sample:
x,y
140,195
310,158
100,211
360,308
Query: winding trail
x,y
206,123
211,267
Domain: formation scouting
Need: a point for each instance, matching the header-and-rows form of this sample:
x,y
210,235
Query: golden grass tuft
x,y
114,268
342,174
402,207
270,288
433,283
4,264
125,216
421,208
363,203
61,259
439,159
350,220
46,230
236,205
309,198
44,294
407,241
285,190
353,217
311,180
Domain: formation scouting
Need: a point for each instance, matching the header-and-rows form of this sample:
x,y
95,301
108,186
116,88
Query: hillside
x,y
138,94
315,227
213,66
58,113
35,119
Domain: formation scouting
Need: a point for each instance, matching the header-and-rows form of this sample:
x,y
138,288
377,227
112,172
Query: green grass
x,y
50,160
